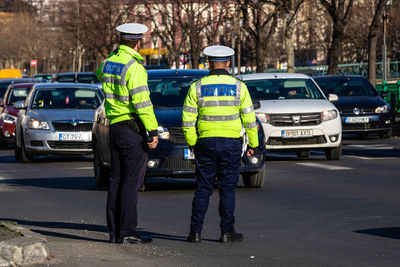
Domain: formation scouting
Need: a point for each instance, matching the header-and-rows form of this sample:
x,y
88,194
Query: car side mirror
x,y
333,97
256,103
384,94
19,105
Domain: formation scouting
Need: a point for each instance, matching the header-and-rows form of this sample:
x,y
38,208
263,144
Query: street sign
x,y
33,62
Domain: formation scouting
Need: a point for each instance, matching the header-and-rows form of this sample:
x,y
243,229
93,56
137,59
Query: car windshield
x,y
87,78
280,89
43,77
17,94
346,87
169,92
66,98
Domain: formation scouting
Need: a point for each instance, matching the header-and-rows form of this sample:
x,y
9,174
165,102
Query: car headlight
x,y
382,109
38,125
7,118
163,133
263,117
328,115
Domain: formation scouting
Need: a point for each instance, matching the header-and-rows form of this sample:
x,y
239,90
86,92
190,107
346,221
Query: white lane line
x,y
324,166
375,147
358,157
84,168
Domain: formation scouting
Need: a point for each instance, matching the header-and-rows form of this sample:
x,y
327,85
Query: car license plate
x,y
296,133
356,119
72,137
188,154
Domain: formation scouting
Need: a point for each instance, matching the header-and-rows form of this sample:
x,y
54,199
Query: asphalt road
x,y
310,212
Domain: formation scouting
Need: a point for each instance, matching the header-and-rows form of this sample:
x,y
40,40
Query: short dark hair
x,y
129,42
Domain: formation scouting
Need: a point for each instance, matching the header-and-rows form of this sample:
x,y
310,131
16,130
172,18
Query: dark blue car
x,y
171,158
361,108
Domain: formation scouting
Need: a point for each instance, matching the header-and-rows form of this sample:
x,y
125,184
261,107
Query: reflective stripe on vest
x,y
121,98
189,109
118,81
144,104
248,110
220,118
250,125
139,89
188,123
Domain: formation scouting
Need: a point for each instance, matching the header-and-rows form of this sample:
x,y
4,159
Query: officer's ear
x,y
228,63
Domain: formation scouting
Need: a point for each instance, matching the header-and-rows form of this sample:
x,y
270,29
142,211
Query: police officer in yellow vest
x,y
132,124
214,111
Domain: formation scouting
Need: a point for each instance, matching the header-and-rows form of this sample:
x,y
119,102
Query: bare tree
x,y
373,38
260,21
339,11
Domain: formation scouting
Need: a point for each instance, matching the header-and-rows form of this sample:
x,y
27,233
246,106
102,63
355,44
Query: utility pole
x,y
77,43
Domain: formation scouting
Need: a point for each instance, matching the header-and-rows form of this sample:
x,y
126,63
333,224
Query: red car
x,y
8,117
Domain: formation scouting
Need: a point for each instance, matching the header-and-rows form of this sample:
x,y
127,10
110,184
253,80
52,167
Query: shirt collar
x,y
219,72
131,52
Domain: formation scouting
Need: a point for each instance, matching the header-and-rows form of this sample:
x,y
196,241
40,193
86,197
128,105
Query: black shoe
x,y
135,239
231,237
194,237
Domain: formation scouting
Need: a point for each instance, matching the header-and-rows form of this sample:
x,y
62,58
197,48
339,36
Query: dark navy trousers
x,y
128,168
216,157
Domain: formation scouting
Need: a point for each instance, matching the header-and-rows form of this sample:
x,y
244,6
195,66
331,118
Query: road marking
x,y
358,157
376,146
84,168
324,166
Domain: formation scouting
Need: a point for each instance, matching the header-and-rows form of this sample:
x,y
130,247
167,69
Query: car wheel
x,y
254,179
25,156
101,173
333,153
304,154
3,145
386,134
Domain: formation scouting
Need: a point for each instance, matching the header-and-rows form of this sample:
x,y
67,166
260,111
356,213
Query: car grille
x,y
360,126
68,127
36,143
306,119
69,145
362,111
178,164
279,141
176,136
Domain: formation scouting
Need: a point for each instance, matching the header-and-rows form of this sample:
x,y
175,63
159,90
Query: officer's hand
x,y
250,152
154,143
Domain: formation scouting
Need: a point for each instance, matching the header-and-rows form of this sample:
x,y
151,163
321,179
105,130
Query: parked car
x,y
361,107
43,77
172,157
295,114
15,92
4,83
56,118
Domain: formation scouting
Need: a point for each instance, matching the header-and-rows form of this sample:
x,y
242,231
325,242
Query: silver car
x,y
56,118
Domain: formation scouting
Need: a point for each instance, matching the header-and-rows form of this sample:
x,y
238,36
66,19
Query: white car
x,y
295,114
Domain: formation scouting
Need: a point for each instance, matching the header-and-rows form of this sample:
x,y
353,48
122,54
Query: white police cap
x,y
218,53
132,30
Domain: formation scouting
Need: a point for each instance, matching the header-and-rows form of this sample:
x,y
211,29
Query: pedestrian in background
x,y
214,111
131,115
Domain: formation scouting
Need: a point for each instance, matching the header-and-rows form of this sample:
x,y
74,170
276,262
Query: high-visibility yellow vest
x,y
125,88
219,105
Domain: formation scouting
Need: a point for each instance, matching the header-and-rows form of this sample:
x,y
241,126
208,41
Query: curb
x,y
29,248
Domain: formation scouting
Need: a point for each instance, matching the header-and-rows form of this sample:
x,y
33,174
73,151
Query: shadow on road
x,y
389,232
60,226
71,183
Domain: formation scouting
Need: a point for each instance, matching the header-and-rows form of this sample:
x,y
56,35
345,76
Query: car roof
x,y
169,73
19,80
65,85
23,85
338,77
278,75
